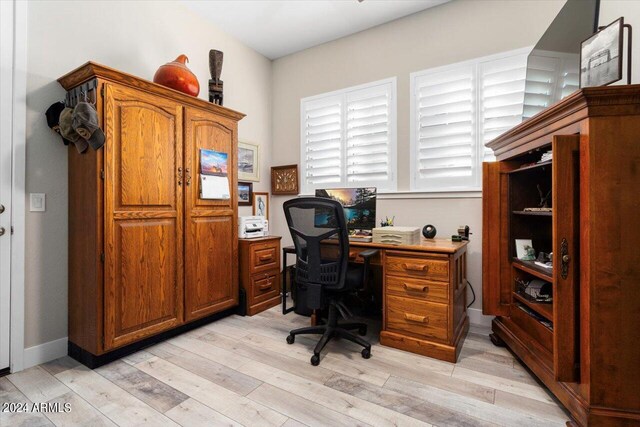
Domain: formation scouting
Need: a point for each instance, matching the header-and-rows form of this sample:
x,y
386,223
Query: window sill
x,y
399,195
395,195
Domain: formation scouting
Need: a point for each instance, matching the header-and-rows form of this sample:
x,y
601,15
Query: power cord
x,y
474,294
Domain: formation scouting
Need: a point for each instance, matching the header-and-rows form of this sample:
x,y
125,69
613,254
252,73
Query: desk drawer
x,y
419,318
418,288
422,268
264,286
264,256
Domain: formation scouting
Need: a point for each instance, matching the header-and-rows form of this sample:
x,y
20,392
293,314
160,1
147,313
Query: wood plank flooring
x,y
240,371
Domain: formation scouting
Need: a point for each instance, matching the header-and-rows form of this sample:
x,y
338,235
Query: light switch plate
x,y
37,202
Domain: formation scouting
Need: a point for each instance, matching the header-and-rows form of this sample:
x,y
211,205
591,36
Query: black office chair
x,y
321,239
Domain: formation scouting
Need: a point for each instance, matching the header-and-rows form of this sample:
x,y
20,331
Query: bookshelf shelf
x,y
534,213
533,269
543,309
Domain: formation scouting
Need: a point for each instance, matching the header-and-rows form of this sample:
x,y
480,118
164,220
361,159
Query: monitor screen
x,y
359,207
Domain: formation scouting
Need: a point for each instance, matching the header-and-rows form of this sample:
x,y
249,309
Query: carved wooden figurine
x,y
215,84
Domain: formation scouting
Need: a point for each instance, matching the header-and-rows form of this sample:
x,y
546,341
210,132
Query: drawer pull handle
x,y
415,267
266,257
415,318
415,288
266,287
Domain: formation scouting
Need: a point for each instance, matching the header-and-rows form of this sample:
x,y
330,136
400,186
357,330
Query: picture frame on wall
x,y
245,193
601,56
284,180
261,204
248,162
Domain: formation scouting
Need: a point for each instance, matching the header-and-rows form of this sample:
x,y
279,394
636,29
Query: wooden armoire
x,y
584,344
147,255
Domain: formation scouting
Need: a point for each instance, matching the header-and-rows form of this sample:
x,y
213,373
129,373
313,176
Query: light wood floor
x,y
240,371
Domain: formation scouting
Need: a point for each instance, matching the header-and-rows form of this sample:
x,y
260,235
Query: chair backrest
x,y
311,221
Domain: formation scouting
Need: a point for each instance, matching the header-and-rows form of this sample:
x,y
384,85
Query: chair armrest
x,y
368,253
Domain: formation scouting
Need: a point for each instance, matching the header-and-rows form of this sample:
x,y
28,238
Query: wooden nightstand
x,y
260,272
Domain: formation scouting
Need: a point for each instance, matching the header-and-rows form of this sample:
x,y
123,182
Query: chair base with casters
x,y
333,329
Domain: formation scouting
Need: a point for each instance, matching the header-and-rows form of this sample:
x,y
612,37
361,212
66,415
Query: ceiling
x,y
278,28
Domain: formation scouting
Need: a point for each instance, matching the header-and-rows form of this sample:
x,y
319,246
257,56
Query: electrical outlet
x,y
37,202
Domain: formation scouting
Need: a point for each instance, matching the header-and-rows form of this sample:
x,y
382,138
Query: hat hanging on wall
x,y
53,118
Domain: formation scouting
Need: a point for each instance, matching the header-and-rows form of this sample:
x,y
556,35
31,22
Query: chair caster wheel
x,y
362,331
315,360
366,353
291,339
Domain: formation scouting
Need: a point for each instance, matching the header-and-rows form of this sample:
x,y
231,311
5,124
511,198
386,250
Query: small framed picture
x,y
524,250
601,56
248,162
261,204
245,193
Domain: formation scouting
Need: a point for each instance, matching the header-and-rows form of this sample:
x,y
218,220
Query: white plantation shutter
x,y
444,107
349,138
455,110
322,141
541,82
570,77
551,76
369,154
502,83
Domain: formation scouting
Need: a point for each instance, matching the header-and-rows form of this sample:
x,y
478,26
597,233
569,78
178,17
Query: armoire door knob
x,y
2,230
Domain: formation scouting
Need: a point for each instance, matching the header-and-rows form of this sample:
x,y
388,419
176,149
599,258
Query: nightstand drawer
x,y
418,318
264,286
422,268
264,256
418,288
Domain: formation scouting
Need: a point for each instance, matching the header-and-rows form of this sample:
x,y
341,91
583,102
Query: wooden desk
x,y
424,300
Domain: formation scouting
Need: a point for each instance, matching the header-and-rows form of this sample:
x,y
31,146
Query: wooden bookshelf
x,y
533,269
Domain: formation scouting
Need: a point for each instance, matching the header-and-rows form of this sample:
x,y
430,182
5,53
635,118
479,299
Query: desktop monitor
x,y
359,207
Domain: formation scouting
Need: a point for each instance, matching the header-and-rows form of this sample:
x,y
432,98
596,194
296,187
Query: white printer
x,y
252,226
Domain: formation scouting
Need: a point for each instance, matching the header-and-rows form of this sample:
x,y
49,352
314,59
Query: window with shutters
x,y
348,138
455,110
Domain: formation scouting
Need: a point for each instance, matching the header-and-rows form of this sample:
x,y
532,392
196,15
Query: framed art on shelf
x,y
245,193
248,162
261,204
601,56
284,180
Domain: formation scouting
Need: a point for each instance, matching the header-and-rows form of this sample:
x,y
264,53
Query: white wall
x,y
136,37
449,33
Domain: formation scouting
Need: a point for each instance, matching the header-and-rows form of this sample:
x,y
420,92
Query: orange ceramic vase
x,y
177,76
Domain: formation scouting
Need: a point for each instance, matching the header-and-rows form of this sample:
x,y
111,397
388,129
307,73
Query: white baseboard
x,y
477,318
45,352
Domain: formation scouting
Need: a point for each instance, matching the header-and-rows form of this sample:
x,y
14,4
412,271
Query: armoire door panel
x,y
206,131
145,294
144,215
496,274
143,149
211,235
209,267
566,272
